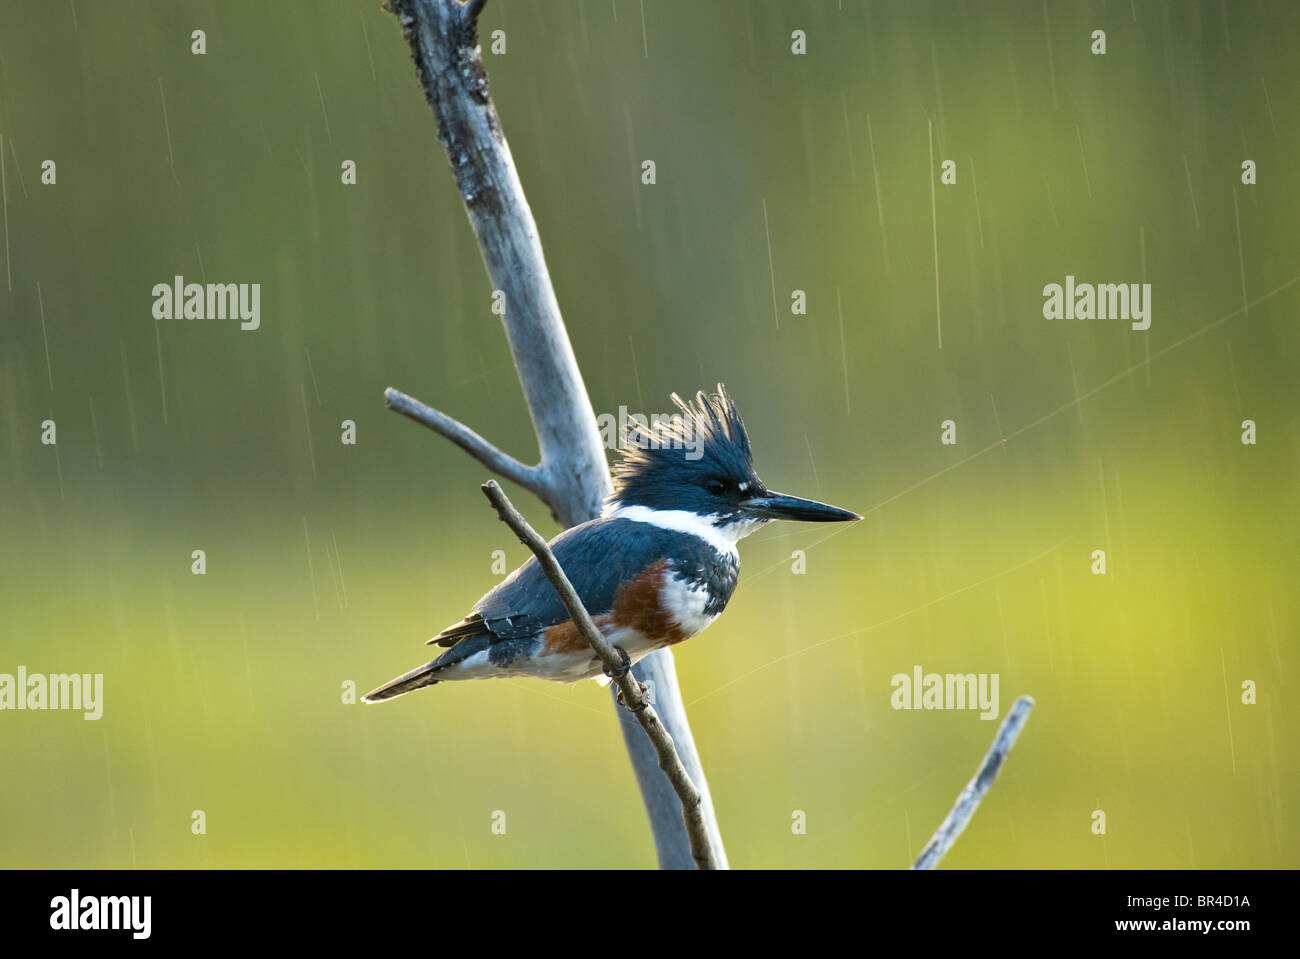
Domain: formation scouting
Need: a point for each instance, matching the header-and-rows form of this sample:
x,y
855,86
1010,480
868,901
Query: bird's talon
x,y
621,670
645,701
644,690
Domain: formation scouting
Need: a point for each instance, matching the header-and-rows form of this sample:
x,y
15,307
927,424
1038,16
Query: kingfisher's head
x,y
699,462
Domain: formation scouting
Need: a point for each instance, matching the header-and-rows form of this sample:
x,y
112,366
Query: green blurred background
x,y
329,563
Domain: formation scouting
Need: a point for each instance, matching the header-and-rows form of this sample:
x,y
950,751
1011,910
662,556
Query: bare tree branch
x,y
444,45
529,477
572,477
637,703
969,799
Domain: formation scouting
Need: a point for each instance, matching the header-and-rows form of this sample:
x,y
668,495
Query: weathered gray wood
x,y
444,45
572,477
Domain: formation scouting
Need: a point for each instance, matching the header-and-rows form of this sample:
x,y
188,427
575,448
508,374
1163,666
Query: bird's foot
x,y
621,670
644,690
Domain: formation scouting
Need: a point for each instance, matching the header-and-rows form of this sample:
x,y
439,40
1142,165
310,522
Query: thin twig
x,y
969,799
529,477
692,815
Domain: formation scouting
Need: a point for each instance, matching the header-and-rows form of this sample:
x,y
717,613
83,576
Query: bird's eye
x,y
716,486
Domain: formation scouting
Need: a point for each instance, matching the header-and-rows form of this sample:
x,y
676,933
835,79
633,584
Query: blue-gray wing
x,y
598,557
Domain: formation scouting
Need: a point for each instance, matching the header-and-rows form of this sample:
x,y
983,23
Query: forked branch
x,y
571,477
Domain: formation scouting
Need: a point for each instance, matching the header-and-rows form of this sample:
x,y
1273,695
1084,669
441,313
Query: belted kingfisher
x,y
655,568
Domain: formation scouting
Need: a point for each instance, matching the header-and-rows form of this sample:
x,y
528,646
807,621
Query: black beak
x,y
780,506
